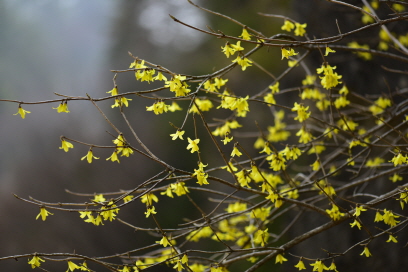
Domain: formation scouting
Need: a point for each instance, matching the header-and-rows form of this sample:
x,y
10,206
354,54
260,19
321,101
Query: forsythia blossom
x,y
286,53
66,145
63,107
288,26
328,50
302,113
193,145
243,62
22,112
228,50
330,78
89,156
35,262
43,213
114,157
245,35
300,29
178,134
200,174
158,107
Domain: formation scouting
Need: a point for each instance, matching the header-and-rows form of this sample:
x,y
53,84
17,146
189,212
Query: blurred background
x,y
69,47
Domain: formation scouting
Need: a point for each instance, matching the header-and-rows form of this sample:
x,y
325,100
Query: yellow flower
x,y
227,139
219,82
277,162
300,265
280,259
72,266
363,55
149,198
89,156
377,161
341,102
389,218
124,101
366,19
330,78
399,159
174,107
160,76
237,207
392,239
380,105
395,178
200,174
193,145
178,266
243,178
398,7
243,62
203,105
158,107
309,80
302,113
269,98
291,153
318,266
164,241
43,213
114,91
237,47
116,104
179,188
197,267
332,267
261,237
300,29
356,223
35,262
150,211
230,167
22,112
126,151
304,136
119,102
316,165
228,50
288,26
235,152
328,50
358,211
63,107
366,252
274,88
178,85
66,145
346,124
99,198
110,214
119,142
288,53
126,269
179,134
334,213
292,63
245,35
114,157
